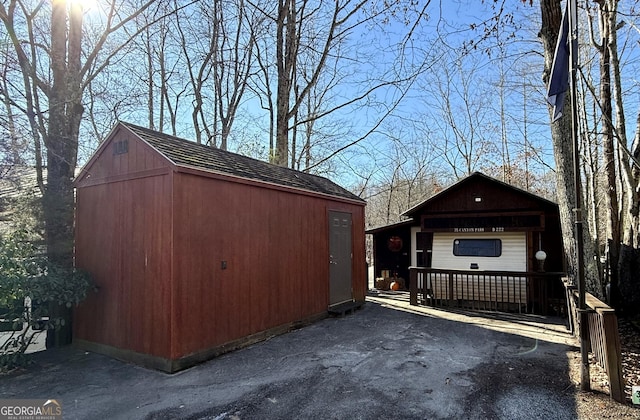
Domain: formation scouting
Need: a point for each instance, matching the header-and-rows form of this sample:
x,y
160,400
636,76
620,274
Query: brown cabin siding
x,y
455,209
496,198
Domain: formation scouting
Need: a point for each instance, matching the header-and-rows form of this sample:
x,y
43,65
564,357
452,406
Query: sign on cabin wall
x,y
486,223
478,230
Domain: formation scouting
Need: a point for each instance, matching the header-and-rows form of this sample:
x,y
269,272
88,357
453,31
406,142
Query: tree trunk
x,y
65,113
608,152
625,292
629,261
561,137
563,154
284,59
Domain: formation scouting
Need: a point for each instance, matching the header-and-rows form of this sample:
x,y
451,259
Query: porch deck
x,y
548,327
504,291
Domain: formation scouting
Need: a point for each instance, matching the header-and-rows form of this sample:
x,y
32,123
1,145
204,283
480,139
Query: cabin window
x,y
477,247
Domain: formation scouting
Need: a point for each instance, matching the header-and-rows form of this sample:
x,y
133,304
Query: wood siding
x,y
492,196
123,239
106,165
155,239
275,248
513,258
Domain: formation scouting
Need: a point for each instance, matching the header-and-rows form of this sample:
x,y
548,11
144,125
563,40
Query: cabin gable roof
x,y
479,193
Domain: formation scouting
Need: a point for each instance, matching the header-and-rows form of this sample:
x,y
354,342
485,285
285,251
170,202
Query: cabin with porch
x,y
480,243
196,251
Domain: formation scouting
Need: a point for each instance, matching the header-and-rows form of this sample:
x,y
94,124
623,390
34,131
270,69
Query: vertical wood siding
x,y
140,157
275,245
123,239
155,247
494,196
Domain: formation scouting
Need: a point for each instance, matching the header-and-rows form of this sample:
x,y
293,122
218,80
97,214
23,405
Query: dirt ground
x,y
597,404
388,360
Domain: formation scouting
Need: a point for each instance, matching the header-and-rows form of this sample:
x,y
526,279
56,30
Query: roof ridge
x,y
468,178
216,149
235,164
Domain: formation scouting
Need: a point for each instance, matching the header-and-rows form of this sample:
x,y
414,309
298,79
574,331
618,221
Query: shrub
x,y
28,287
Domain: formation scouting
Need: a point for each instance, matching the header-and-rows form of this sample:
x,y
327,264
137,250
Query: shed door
x,y
339,257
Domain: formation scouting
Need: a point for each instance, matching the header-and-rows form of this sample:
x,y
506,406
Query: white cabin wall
x,y
513,258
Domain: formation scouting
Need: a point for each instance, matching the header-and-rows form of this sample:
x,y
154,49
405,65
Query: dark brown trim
x,y
379,229
484,229
483,225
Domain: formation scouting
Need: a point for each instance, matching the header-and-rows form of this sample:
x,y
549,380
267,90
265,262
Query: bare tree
x,y
607,135
53,82
561,135
306,35
457,104
218,48
12,143
320,137
196,38
621,185
234,41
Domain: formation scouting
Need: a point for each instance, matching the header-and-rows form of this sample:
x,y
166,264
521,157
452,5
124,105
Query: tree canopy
x,y
393,99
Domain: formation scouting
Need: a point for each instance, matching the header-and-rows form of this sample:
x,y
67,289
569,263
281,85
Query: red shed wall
x,y
106,165
123,238
275,245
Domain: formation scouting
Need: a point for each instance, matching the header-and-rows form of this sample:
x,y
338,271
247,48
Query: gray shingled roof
x,y
187,153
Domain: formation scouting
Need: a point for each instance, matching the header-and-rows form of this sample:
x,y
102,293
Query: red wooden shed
x,y
197,251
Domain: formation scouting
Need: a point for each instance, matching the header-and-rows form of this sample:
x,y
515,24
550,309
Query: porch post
x,y
413,286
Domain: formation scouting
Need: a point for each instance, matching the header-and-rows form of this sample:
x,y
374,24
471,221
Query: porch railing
x,y
604,339
506,291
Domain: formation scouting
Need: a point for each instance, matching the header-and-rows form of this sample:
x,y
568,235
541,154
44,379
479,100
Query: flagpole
x,y
585,380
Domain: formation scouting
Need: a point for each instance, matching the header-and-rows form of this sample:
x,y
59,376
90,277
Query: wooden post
x,y
450,289
413,286
612,353
571,313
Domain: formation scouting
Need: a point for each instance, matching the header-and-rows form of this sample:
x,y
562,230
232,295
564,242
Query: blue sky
x,y
506,66
419,121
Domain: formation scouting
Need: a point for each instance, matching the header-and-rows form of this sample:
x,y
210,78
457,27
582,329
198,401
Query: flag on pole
x,y
559,80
